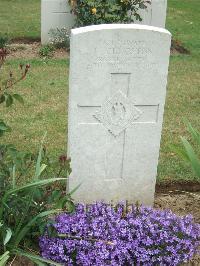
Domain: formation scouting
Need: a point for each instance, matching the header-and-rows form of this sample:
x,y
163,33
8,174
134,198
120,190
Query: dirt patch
x,y
24,50
21,261
31,50
181,203
178,48
24,40
61,53
177,186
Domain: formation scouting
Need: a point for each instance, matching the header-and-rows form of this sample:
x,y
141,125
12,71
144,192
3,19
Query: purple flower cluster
x,y
103,235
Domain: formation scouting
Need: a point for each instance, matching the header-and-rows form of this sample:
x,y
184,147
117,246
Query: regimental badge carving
x,y
117,113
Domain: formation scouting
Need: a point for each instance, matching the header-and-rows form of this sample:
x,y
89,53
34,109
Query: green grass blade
x,y
8,236
74,190
25,230
38,169
34,185
4,258
14,177
36,258
41,169
195,162
194,133
29,186
180,151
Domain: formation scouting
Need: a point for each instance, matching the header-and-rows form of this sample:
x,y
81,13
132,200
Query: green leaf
x,y
8,236
2,99
38,169
4,258
180,151
3,126
26,228
56,194
74,190
195,162
34,184
9,100
28,186
14,176
38,194
42,168
70,206
36,258
194,132
51,231
18,98
61,202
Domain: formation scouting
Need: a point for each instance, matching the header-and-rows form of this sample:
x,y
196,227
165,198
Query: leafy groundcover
x,y
100,234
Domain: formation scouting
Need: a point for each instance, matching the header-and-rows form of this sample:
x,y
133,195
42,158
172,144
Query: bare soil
x,y
178,48
181,197
31,51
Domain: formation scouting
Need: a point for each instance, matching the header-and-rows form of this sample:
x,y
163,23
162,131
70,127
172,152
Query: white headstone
x,y
55,14
154,14
118,76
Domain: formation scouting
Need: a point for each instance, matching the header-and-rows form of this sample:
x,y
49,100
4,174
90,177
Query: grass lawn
x,y
20,18
45,108
183,22
45,89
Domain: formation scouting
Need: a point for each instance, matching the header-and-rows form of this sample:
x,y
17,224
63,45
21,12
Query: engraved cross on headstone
x,y
117,114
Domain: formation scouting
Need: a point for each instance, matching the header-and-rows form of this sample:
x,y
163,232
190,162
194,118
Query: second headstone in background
x,y
55,14
154,14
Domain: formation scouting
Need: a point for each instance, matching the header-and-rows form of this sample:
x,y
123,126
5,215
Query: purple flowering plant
x,y
99,234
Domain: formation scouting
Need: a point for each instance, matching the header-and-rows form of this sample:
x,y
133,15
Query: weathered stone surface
x,y
118,76
155,14
54,13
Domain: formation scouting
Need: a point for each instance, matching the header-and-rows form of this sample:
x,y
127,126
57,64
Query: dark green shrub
x,y
89,12
25,208
3,41
46,51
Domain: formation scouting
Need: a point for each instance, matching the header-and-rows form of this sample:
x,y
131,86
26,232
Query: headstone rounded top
x,y
118,27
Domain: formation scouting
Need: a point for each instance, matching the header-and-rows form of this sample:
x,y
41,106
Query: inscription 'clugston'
x,y
118,50
125,47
